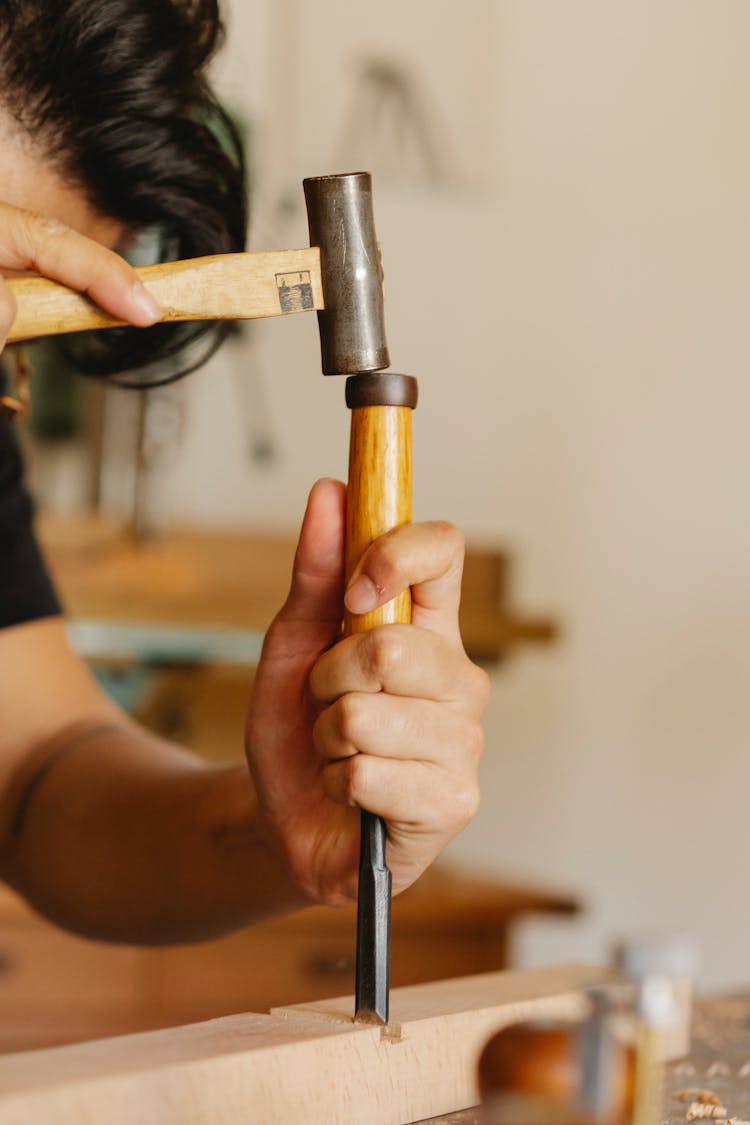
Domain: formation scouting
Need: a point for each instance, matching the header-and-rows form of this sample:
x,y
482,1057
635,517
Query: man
x,y
107,126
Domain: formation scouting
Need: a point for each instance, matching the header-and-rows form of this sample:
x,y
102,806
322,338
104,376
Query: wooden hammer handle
x,y
218,287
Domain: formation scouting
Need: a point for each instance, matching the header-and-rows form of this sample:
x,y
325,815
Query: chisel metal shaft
x,y
373,923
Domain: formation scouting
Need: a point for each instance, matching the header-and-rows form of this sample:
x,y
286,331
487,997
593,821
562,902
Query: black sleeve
x,y
26,591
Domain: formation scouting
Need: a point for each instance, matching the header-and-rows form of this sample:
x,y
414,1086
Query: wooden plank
x,y
306,1064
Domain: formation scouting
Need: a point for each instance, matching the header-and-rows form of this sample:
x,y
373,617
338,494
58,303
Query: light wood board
x,y
308,1064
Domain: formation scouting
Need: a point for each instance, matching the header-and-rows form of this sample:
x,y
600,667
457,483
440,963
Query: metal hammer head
x,y
352,329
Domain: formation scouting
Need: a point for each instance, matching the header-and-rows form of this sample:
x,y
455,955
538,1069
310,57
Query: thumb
x,y
43,245
311,616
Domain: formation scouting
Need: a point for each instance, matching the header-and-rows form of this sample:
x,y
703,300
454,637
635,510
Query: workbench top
x,y
719,1060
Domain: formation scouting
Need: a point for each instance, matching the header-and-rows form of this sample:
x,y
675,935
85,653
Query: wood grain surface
x,y
305,1064
378,496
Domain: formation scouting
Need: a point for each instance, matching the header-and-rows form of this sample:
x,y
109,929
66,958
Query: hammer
x,y
340,276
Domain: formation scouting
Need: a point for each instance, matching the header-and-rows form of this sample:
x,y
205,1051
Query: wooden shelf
x,y
198,577
57,988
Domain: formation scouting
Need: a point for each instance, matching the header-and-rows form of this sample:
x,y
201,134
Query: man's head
x,y
111,97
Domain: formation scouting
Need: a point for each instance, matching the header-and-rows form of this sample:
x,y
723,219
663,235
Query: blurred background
x,y
562,194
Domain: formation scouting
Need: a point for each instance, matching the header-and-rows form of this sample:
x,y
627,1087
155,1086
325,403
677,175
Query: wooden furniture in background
x,y
240,580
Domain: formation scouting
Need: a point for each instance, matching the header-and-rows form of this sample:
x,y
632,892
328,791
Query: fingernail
x,y
146,308
362,596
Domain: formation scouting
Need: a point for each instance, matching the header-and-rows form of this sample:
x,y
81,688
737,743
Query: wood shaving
x,y
696,1094
702,1111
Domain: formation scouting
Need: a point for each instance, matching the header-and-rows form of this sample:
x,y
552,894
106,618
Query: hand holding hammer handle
x,y
220,287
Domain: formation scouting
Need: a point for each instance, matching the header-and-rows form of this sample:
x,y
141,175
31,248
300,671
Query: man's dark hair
x,y
114,94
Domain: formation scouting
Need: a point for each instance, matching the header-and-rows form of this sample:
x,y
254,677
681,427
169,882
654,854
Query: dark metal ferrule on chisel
x,y
373,923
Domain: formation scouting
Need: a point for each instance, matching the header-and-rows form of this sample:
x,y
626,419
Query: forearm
x,y
119,835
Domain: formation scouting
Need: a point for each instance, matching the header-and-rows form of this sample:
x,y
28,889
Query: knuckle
x,y
385,650
453,538
44,226
34,230
349,714
465,804
470,747
45,244
451,533
356,783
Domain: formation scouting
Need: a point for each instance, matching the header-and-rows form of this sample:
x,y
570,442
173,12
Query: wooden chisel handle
x,y
220,287
378,497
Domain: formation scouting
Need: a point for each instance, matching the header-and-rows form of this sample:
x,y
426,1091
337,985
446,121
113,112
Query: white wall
x,y
575,302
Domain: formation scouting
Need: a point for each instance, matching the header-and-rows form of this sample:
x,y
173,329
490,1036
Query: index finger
x,y
426,556
31,242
